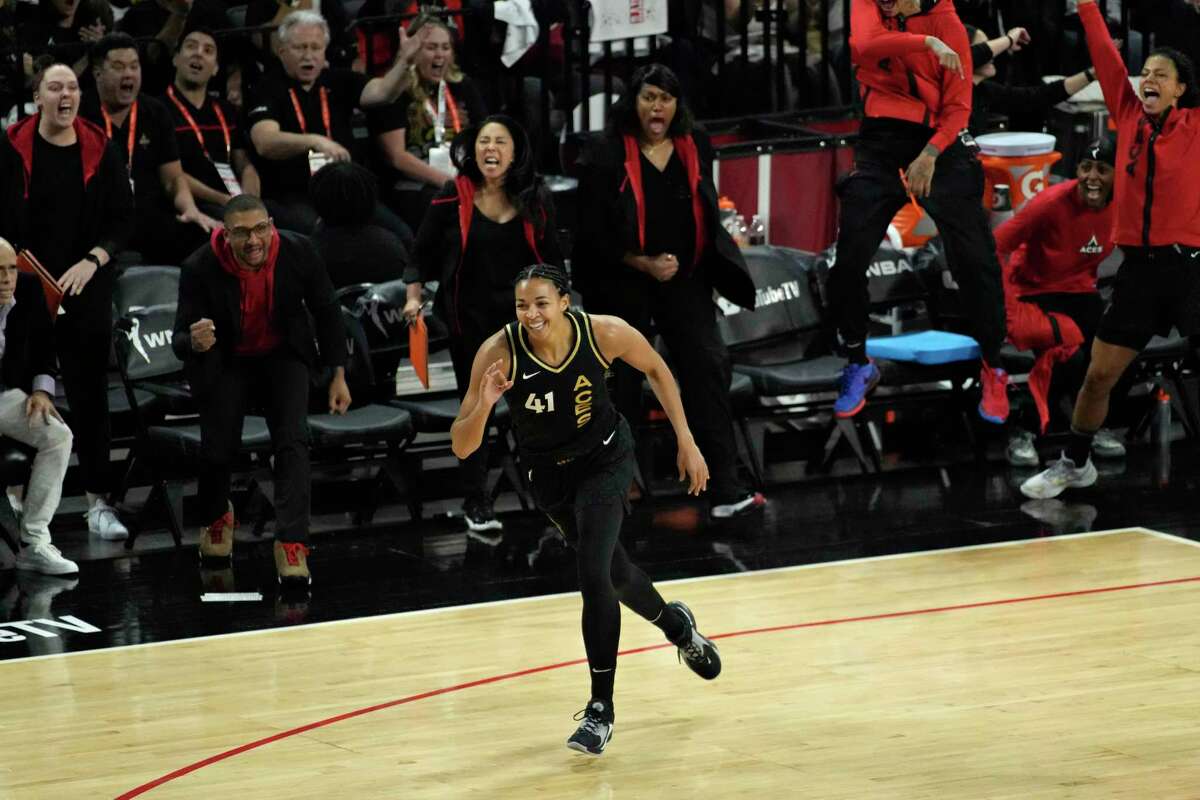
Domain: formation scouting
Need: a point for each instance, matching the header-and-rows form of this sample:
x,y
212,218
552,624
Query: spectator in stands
x,y
27,412
898,150
168,225
66,198
993,97
242,329
649,247
355,250
1050,252
164,23
274,12
481,230
300,119
63,29
212,149
413,134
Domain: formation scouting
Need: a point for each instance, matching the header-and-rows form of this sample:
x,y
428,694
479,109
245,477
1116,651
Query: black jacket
x,y
608,229
28,337
302,288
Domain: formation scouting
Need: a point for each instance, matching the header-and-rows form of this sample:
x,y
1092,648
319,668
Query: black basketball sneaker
x,y
697,650
595,730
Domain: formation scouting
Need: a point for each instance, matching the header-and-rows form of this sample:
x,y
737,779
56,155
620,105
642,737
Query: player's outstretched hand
x,y
494,383
692,468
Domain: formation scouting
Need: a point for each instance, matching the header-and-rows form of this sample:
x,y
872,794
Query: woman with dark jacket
x,y
650,247
483,228
65,197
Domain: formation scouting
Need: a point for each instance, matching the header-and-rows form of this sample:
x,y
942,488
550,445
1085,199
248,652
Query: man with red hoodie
x,y
242,329
914,68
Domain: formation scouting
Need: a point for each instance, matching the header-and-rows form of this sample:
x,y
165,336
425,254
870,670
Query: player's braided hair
x,y
547,272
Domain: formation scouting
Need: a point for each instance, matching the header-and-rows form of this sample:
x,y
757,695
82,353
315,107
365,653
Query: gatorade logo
x,y
1032,183
1092,248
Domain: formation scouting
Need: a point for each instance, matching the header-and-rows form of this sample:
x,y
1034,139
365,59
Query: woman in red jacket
x,y
1157,227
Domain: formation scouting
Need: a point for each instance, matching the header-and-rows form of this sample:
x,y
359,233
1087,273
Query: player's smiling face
x,y
540,306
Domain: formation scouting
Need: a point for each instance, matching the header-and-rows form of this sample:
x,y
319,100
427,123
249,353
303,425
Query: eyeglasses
x,y
260,231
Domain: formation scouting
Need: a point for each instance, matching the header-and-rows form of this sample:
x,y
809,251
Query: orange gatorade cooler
x,y
1021,161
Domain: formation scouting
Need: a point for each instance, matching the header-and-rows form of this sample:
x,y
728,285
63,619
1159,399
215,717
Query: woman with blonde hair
x,y
414,133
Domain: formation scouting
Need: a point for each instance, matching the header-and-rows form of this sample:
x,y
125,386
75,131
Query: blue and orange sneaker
x,y
858,381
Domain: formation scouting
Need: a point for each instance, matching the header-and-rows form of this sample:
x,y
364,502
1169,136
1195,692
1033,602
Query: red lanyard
x,y
108,129
187,116
324,111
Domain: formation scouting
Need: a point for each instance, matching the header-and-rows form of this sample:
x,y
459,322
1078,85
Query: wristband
x,y
95,259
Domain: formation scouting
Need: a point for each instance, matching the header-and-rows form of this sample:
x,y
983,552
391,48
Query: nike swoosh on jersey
x,y
530,375
609,439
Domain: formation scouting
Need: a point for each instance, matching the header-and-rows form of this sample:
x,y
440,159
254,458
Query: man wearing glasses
x,y
242,329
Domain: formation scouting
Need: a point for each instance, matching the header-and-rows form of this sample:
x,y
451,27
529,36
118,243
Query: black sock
x,y
602,686
673,624
857,353
1079,446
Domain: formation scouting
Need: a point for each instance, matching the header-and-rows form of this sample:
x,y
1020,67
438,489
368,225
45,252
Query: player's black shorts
x,y
601,476
1157,288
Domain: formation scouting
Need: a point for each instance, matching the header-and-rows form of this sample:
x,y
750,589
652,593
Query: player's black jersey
x,y
559,412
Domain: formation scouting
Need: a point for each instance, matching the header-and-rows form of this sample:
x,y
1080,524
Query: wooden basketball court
x,y
1052,668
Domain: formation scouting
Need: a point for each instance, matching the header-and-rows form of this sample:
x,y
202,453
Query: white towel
x,y
522,32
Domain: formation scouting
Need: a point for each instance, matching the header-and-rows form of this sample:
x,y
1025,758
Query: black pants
x,y
277,384
682,311
83,337
870,197
585,499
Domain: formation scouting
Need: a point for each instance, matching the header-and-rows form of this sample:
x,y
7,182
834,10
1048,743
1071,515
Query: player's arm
x,y
618,339
489,380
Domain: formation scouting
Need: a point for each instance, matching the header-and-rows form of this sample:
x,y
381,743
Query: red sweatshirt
x,y
1160,203
900,77
1055,243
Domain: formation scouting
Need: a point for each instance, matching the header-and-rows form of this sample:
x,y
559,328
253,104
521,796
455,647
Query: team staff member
x,y
482,229
300,119
167,226
1157,228
242,329
650,247
1050,252
579,451
64,196
212,150
914,64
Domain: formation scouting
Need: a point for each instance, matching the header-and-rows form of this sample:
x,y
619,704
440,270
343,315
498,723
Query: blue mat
x,y
925,347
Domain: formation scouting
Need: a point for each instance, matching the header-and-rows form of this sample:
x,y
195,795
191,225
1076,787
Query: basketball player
x,y
1157,198
578,451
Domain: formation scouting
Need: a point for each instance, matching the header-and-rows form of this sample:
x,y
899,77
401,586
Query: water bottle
x,y
757,234
1161,432
741,231
1002,209
728,214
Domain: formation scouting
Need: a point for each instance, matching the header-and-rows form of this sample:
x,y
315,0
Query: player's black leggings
x,y
586,500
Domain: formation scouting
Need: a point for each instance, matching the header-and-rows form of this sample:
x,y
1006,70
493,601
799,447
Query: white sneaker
x,y
1062,475
1105,444
46,559
1020,451
103,521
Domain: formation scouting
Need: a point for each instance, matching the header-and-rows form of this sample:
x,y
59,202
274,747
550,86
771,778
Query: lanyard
x,y
439,116
108,130
324,93
187,116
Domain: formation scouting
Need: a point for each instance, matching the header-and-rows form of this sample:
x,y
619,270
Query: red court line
x,y
179,773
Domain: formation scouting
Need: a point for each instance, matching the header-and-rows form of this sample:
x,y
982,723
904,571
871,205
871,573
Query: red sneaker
x,y
994,405
216,540
291,562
